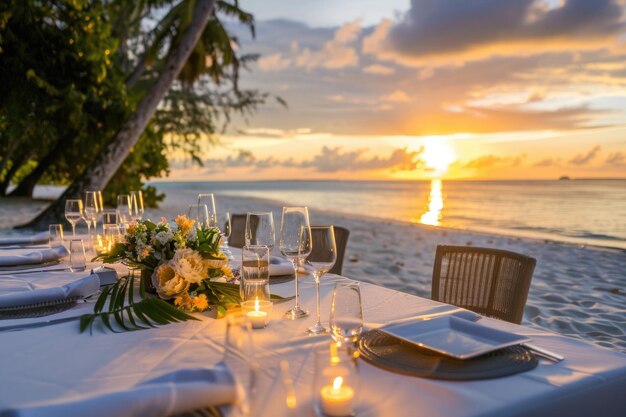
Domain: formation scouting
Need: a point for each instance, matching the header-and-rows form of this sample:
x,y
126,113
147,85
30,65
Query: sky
x,y
421,89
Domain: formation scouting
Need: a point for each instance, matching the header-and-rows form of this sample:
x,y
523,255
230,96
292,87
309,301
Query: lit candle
x,y
337,400
258,319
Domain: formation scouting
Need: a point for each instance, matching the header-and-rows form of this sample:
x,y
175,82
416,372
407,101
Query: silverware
x,y
544,353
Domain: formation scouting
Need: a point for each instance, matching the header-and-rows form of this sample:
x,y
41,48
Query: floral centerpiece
x,y
181,263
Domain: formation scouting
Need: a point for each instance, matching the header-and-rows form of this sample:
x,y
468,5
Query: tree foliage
x,y
73,71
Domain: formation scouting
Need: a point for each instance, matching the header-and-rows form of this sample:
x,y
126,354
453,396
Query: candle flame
x,y
337,383
256,305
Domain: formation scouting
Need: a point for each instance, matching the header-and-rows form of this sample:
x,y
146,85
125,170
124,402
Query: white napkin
x,y
26,289
41,237
280,266
32,257
174,393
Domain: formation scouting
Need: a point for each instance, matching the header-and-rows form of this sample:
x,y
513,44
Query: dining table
x,y
56,362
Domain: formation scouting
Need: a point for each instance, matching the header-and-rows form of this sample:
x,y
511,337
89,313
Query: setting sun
x,y
438,156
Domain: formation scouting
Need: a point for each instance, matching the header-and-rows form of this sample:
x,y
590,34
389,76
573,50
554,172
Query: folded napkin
x,y
41,237
174,393
32,257
280,266
27,289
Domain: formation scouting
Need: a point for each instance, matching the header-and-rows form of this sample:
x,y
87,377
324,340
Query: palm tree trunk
x,y
108,162
27,185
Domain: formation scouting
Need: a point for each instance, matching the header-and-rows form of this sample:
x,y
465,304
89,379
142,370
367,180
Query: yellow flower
x,y
184,224
167,282
146,252
200,302
184,301
227,271
131,229
189,264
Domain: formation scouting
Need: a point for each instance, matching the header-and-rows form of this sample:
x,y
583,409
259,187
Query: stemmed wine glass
x,y
295,245
90,213
208,200
322,259
200,214
136,205
260,229
226,231
73,212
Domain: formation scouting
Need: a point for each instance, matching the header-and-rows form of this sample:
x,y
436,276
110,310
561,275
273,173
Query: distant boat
x,y
564,178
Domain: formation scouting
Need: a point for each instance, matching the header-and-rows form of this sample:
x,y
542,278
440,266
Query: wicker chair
x,y
237,237
341,240
491,282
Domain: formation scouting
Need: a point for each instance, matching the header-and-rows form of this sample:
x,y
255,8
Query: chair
x,y
341,240
490,282
237,237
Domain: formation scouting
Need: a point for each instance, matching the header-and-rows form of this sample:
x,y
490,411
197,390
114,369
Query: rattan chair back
x,y
491,282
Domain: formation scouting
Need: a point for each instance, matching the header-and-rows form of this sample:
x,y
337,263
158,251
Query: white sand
x,y
576,291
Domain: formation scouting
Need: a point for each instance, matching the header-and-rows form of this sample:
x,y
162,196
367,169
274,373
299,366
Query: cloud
x,y
264,132
490,161
582,159
273,62
397,97
547,162
617,159
452,32
327,161
378,69
334,54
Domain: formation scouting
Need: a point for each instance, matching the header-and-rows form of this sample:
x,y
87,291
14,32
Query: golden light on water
x,y
435,204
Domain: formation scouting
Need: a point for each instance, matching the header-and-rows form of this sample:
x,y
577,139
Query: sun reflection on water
x,y
435,204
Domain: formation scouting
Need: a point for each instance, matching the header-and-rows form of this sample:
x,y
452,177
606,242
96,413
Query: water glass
x,y
240,357
346,313
73,212
260,229
123,209
255,273
56,235
336,383
78,261
208,200
111,234
322,259
109,216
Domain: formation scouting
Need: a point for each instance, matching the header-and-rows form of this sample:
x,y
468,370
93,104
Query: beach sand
x,y
576,291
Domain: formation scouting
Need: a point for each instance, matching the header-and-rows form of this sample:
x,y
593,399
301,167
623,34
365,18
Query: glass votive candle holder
x,y
257,312
336,383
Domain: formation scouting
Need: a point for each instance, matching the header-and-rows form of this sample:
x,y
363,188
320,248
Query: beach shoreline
x,y
577,290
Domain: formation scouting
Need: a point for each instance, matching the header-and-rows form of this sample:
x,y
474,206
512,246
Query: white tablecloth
x,y
57,361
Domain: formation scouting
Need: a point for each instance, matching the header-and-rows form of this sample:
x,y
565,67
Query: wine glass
x,y
123,209
346,312
209,201
136,205
200,214
322,258
73,212
101,203
260,229
295,245
90,213
226,231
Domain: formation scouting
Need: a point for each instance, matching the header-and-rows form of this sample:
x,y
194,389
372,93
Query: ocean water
x,y
587,212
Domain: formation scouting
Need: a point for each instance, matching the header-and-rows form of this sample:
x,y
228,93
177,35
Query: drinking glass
x,y
111,234
199,213
260,229
136,205
295,245
90,213
255,273
240,358
226,231
56,235
73,212
101,203
123,209
78,261
346,314
322,259
336,382
109,216
209,201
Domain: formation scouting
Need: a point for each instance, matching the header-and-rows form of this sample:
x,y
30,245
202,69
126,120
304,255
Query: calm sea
x,y
577,211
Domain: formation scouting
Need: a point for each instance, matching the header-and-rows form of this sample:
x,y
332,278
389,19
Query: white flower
x,y
164,237
189,264
167,282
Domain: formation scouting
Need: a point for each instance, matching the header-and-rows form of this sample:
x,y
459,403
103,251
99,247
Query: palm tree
x,y
102,170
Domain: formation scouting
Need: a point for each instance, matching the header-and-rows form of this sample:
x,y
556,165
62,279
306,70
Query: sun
x,y
438,155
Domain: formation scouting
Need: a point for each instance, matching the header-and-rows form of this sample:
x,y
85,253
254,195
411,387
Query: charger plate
x,y
399,356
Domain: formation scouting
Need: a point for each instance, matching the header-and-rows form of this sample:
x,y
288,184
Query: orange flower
x,y
200,302
184,224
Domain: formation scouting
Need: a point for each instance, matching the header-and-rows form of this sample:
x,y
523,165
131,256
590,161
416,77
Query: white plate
x,y
448,335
